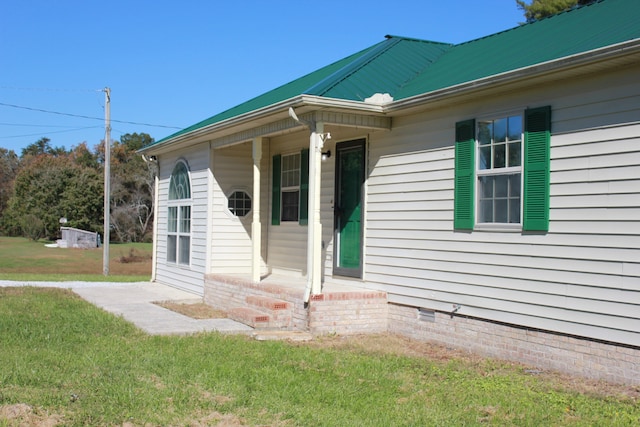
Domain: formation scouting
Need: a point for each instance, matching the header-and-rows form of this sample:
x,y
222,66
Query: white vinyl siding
x,y
188,277
231,235
581,277
287,246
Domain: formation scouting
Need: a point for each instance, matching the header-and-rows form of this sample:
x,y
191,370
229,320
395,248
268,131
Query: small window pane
x,y
501,185
185,249
486,187
515,128
485,157
500,130
500,211
514,185
499,156
185,219
486,211
514,211
172,220
484,133
515,154
171,248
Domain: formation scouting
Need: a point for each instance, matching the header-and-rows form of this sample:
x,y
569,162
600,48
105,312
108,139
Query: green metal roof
x,y
578,30
405,67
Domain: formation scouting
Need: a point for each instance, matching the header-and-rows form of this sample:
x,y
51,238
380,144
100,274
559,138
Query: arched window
x,y
179,216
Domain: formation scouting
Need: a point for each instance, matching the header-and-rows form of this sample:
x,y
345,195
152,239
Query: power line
x,y
44,89
33,125
85,117
49,132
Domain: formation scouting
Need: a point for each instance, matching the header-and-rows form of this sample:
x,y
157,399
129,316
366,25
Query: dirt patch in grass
x,y
390,344
21,414
198,310
134,256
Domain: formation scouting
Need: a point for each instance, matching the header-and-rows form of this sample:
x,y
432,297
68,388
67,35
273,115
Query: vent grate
x,y
426,315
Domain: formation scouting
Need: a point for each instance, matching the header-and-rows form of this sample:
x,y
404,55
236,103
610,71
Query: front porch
x,y
277,303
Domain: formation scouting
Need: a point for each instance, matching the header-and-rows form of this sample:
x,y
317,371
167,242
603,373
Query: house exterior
x,y
484,195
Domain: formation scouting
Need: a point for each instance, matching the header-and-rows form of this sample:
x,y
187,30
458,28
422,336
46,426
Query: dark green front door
x,y
348,208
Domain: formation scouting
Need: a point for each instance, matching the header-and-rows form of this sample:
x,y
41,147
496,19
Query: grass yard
x,y
66,362
24,259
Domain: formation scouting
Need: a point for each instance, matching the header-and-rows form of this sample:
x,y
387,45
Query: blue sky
x,y
172,64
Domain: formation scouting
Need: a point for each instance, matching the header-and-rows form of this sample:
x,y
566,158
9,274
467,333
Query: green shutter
x,y
303,216
275,190
464,186
537,136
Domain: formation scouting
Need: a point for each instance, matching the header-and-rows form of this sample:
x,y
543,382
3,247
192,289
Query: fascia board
x,y
306,102
628,48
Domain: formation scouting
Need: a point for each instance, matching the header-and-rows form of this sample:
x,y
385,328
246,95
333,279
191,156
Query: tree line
x,y
45,184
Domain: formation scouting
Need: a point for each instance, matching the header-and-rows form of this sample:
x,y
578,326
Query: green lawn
x,y
23,259
75,364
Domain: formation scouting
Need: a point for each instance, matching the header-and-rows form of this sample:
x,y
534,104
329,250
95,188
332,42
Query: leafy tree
x,y
42,146
9,164
132,188
538,9
49,188
84,157
47,183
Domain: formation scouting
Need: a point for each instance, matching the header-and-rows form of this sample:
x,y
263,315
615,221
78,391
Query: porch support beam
x,y
314,237
284,125
256,228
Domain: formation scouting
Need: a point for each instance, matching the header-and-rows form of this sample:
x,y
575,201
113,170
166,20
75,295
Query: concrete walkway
x,y
134,302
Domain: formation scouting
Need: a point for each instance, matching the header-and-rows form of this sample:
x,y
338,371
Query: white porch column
x,y
314,237
256,229
156,191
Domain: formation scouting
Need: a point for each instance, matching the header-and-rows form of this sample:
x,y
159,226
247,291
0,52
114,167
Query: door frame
x,y
340,147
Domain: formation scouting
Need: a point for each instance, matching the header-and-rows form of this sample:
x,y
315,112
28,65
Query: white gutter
x,y
299,101
620,49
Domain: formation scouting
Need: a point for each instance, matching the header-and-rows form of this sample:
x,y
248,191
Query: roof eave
x,y
274,111
628,48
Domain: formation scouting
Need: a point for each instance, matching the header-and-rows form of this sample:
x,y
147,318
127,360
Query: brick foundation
x,y
348,313
543,349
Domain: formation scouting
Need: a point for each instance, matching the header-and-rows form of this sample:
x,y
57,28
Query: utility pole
x,y
107,180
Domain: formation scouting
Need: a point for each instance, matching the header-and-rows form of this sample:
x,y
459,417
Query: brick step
x,y
254,318
271,304
280,312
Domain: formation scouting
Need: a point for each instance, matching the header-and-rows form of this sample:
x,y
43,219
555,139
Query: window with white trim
x,y
290,182
502,171
499,170
239,203
179,216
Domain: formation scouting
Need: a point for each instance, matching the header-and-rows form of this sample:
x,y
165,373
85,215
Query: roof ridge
x,y
333,79
414,39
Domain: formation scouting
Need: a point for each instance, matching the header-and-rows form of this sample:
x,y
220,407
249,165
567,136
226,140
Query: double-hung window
x,y
290,188
499,170
179,216
502,171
